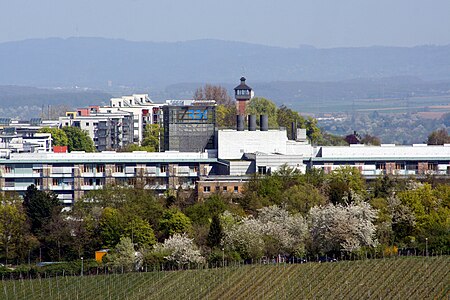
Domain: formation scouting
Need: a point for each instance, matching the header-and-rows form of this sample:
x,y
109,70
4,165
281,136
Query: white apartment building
x,y
108,130
141,106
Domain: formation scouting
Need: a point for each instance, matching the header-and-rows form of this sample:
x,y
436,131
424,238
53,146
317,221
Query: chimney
x,y
264,122
240,123
251,123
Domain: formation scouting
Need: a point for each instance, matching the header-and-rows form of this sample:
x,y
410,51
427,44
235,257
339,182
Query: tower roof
x,y
242,86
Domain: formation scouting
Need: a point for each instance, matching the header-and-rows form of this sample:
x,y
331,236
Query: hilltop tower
x,y
242,93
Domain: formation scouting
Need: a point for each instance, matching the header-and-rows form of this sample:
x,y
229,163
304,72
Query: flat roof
x,y
109,157
386,158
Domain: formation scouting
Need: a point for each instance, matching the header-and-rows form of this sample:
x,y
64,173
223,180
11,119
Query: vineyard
x,y
394,278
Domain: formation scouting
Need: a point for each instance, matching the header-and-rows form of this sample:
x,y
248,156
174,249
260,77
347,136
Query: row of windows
x,y
207,189
100,169
242,92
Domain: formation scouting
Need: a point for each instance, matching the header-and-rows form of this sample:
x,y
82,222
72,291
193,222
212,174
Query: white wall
x,y
233,144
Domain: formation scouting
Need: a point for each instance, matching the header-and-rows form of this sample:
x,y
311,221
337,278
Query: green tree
x,y
201,213
151,138
302,197
286,116
382,187
262,106
312,130
174,221
140,232
57,239
215,233
78,139
226,116
111,226
342,182
129,201
328,139
59,137
123,255
40,207
13,227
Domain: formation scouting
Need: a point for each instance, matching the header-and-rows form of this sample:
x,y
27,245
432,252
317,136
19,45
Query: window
x,y
217,188
206,189
224,188
88,181
412,167
262,170
119,169
163,168
380,166
100,168
236,189
87,168
37,181
8,169
56,181
400,166
87,123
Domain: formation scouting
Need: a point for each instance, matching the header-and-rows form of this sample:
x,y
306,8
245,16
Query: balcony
x,y
61,175
92,174
91,187
17,188
21,175
62,187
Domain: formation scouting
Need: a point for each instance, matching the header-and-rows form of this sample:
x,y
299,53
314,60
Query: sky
x,y
284,23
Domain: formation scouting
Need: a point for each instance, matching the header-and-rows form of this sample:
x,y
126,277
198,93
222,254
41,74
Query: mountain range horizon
x,y
300,46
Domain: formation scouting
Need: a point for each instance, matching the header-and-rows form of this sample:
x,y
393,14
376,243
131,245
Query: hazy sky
x,y
321,23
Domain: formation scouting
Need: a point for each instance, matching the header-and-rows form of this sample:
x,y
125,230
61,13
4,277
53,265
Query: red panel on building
x,y
60,149
83,112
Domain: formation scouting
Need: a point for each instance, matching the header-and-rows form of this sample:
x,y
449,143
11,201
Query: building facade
x,y
109,131
72,175
142,108
189,125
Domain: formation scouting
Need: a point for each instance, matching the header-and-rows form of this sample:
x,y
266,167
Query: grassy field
x,y
395,278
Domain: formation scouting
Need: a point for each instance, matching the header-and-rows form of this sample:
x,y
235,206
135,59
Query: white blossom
x,y
248,235
339,227
182,250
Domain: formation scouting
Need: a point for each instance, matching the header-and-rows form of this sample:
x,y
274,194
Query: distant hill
x,y
93,62
338,96
24,102
24,95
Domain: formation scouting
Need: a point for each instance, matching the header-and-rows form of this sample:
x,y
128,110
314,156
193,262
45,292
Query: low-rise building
x,y
71,175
